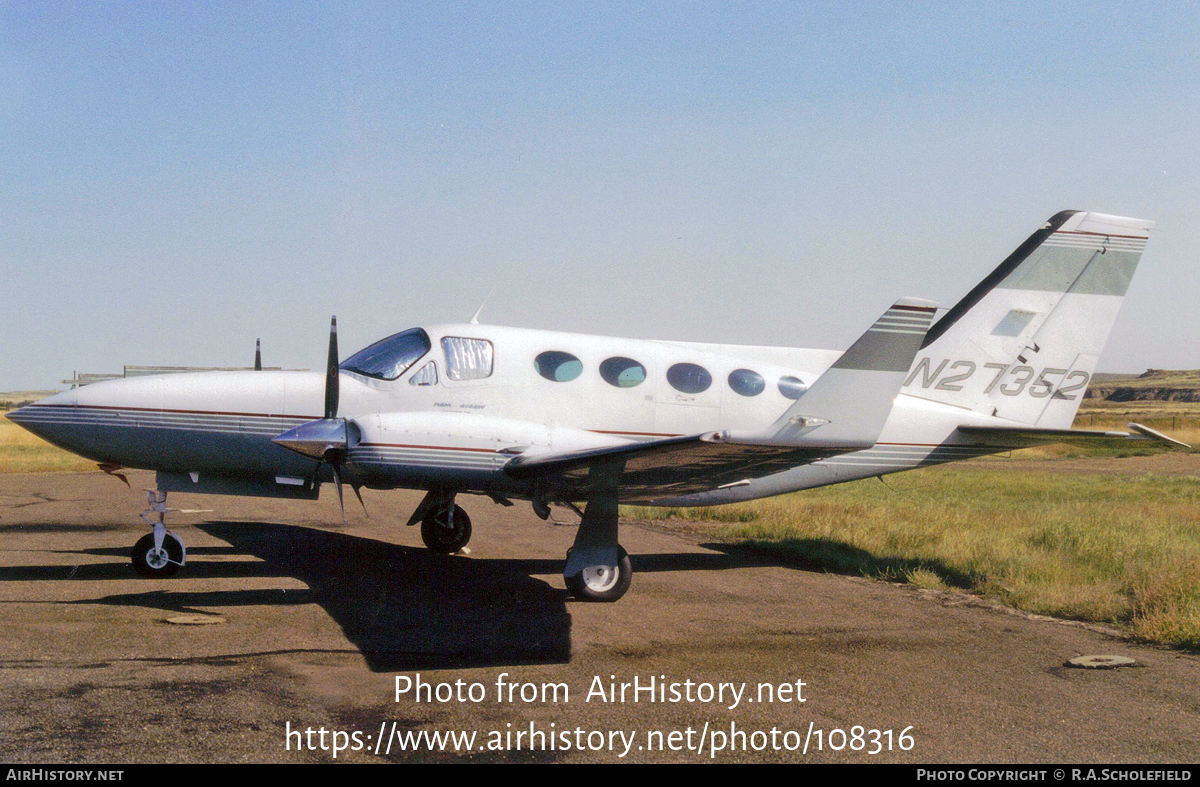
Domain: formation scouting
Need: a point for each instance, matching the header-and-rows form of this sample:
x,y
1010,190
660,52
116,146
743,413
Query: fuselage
x,y
468,398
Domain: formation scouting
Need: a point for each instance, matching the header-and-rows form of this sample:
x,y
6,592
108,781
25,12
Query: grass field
x,y
1122,550
1115,548
22,452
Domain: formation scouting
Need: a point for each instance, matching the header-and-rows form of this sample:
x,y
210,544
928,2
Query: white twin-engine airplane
x,y
563,418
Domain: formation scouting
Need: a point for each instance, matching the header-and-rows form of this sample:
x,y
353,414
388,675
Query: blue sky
x,y
180,179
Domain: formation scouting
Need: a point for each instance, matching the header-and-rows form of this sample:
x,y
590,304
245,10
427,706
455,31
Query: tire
x,y
592,584
442,539
148,564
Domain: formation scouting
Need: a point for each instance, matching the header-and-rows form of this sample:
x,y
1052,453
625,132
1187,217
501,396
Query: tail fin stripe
x,y
1142,238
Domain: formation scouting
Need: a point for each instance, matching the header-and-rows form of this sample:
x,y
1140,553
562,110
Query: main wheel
x,y
162,563
442,536
601,583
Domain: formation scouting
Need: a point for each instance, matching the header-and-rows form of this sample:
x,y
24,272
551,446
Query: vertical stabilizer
x,y
1022,345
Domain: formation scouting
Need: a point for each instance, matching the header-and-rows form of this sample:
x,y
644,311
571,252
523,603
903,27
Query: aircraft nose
x,y
44,418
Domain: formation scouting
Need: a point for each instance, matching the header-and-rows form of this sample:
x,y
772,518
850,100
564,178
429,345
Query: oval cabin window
x,y
689,378
747,382
623,372
792,387
558,366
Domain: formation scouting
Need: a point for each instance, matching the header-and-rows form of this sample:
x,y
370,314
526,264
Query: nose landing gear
x,y
160,553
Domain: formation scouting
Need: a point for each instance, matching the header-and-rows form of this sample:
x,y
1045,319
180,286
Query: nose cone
x,y
80,420
41,416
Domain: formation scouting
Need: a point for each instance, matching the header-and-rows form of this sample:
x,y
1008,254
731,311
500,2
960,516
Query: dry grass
x,y
23,452
1120,550
10,399
1180,420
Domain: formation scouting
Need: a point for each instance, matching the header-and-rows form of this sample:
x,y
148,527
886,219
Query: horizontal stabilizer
x,y
849,404
1022,437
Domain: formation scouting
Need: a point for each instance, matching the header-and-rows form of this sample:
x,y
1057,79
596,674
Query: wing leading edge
x,y
844,410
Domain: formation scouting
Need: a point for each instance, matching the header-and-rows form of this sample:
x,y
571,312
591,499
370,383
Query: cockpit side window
x,y
467,359
389,358
426,375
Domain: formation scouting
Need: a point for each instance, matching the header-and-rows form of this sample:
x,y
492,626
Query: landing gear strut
x,y
598,568
161,553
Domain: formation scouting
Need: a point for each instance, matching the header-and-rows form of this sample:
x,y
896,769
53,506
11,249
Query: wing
x,y
675,465
844,410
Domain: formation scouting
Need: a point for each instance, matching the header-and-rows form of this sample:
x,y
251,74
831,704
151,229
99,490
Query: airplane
x,y
549,417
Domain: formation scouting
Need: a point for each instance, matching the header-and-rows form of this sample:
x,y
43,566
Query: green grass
x,y
1118,550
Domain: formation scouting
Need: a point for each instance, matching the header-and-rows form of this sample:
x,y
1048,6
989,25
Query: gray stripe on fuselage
x,y
185,442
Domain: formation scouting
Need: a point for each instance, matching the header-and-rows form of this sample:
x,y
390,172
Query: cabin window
x,y
623,372
689,378
389,358
558,366
792,387
426,375
467,359
747,382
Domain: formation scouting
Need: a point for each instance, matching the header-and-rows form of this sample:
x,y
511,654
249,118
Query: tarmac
x,y
725,655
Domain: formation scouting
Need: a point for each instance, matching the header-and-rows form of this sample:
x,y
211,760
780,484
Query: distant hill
x,y
1153,384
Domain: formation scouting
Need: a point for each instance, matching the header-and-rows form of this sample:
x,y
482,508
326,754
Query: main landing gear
x,y
160,553
598,568
446,529
597,580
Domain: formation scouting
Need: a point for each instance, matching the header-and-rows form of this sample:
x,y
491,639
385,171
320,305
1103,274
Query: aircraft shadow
x,y
402,608
406,608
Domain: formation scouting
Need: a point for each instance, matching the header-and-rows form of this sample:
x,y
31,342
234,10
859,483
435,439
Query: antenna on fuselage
x,y
258,355
475,319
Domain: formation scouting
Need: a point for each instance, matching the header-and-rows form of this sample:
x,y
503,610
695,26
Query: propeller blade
x,y
358,494
331,373
258,355
335,464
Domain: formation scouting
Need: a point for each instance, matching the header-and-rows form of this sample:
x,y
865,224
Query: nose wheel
x,y
160,553
158,561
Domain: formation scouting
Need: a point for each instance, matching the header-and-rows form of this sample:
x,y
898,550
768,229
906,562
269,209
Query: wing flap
x,y
673,465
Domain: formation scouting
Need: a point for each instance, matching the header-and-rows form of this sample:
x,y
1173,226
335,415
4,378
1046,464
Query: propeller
x,y
328,438
258,355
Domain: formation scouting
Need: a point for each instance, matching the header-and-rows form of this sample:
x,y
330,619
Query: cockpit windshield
x,y
389,358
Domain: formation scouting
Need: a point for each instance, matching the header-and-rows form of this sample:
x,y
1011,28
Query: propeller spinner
x,y
327,439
